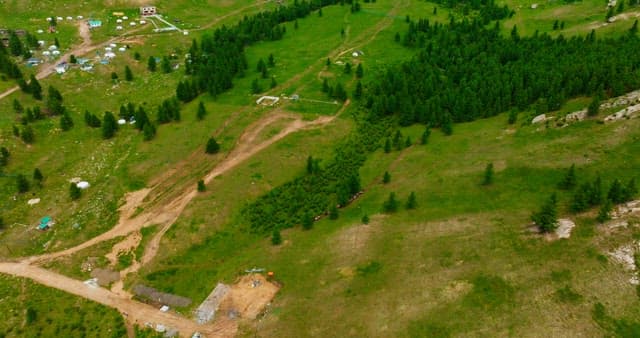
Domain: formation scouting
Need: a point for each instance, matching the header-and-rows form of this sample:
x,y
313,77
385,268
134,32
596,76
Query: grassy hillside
x,y
32,310
465,262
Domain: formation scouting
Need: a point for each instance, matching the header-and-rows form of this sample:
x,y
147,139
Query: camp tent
x,y
45,223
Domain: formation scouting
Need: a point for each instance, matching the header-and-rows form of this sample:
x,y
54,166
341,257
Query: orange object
x,y
270,273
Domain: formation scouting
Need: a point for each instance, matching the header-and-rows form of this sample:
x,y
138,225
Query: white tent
x,y
122,121
83,185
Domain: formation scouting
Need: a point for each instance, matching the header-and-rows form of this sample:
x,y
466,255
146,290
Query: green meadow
x,y
465,262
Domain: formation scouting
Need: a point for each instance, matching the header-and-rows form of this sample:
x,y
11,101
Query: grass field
x,y
31,310
463,263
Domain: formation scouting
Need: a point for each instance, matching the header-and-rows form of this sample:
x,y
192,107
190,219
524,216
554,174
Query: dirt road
x,y
134,312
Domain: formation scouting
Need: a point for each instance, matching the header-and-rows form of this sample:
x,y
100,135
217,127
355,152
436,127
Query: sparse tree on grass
x,y
488,175
357,93
66,122
604,214
276,238
391,204
347,68
447,124
359,71
166,65
128,74
114,76
27,135
74,192
109,125
149,131
365,219
34,88
271,61
201,186
513,116
212,146
202,111
328,62
255,87
386,178
307,221
594,106
630,190
72,59
569,181
37,176
333,212
411,201
152,64
137,56
17,107
424,139
547,218
387,146
22,184
408,142
615,193
56,42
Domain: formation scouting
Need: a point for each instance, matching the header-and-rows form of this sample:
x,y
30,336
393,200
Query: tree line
x,y
219,56
466,70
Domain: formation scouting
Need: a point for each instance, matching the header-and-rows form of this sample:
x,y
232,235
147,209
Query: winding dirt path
x,y
134,312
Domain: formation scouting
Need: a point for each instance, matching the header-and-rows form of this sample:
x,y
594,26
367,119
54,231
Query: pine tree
x,y
56,42
165,65
66,122
128,75
17,107
547,218
22,184
357,93
333,212
201,186
447,124
569,181
386,178
255,87
37,176
581,198
325,85
15,45
615,193
212,146
34,88
407,142
109,125
424,139
595,192
411,201
594,106
630,190
276,238
604,214
365,219
513,116
74,192
488,174
391,204
387,146
307,221
347,68
27,134
271,61
202,111
273,82
149,131
328,62
72,59
151,64
359,71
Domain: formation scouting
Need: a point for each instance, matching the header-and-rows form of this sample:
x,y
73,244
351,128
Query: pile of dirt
x,y
105,276
249,296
